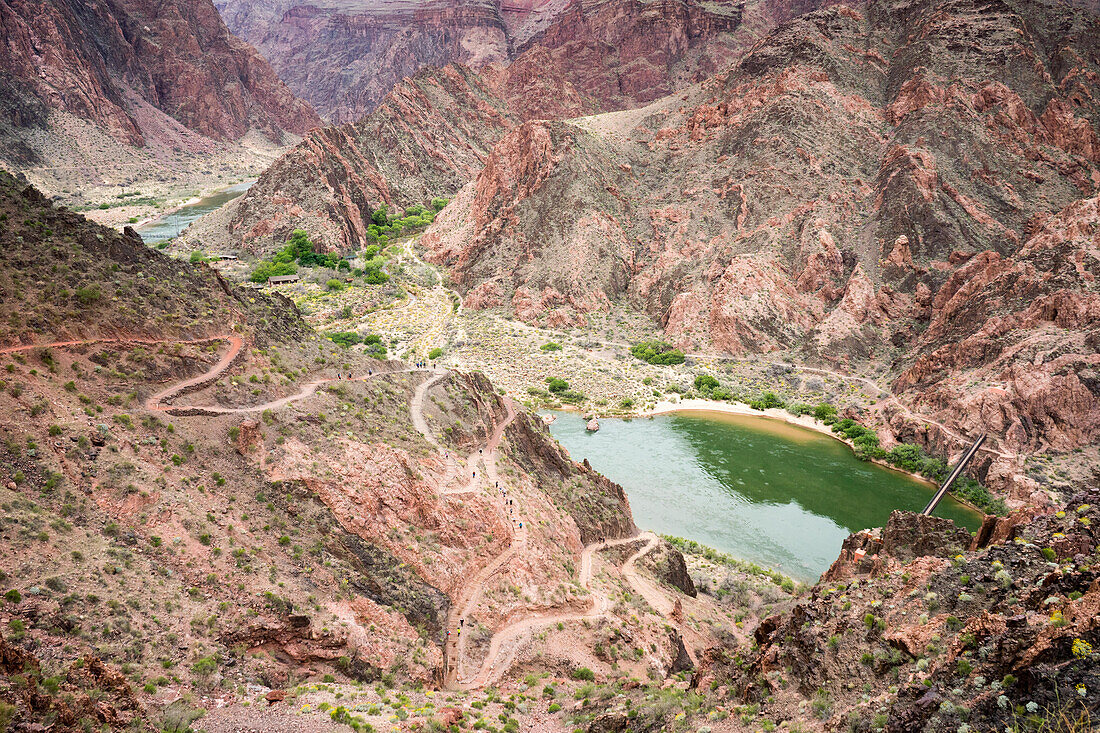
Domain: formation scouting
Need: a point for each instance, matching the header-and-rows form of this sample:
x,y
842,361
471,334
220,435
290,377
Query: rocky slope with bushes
x,y
919,634
264,522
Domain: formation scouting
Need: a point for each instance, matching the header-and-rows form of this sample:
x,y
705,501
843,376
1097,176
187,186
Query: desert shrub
x,y
550,346
87,294
435,353
584,673
179,716
705,383
344,338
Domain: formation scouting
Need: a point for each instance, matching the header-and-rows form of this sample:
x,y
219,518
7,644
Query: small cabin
x,y
224,257
282,279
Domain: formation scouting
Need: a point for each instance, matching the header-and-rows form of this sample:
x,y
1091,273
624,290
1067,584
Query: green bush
x,y
657,352
705,383
551,346
344,338
824,411
557,385
435,353
374,346
87,294
334,285
584,673
264,270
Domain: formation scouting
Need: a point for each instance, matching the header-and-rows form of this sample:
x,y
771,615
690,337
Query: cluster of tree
x,y
299,252
708,387
657,352
384,226
913,459
559,388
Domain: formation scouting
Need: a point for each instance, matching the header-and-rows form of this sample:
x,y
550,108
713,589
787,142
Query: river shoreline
x,y
807,421
665,407
197,199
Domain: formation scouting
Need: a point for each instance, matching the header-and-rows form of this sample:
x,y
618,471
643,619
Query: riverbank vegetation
x,y
864,441
301,252
691,547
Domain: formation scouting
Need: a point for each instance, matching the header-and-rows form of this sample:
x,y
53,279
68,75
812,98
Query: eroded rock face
x,y
939,625
93,58
667,564
618,53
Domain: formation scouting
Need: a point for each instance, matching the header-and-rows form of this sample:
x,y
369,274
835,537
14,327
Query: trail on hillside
x,y
505,643
156,402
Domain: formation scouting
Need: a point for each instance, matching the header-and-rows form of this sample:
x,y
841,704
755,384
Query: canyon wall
x,y
344,58
103,61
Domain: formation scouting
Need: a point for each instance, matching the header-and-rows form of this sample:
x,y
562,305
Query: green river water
x,y
763,490
172,225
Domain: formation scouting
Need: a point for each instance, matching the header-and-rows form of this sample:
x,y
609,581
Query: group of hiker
x,y
370,373
508,503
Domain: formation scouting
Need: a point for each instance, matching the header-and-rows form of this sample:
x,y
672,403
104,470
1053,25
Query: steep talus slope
x,y
429,136
345,57
842,192
98,60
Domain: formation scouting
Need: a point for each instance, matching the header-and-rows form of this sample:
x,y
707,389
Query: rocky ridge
x,y
985,638
344,60
430,135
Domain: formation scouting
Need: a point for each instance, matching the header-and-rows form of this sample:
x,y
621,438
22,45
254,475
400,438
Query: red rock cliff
x,y
94,58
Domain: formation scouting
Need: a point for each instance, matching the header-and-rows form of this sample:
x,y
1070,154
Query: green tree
x,y
705,383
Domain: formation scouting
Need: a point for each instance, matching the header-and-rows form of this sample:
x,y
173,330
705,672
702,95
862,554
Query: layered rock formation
x,y
861,186
102,61
345,58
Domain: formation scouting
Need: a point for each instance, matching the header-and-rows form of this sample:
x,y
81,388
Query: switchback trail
x,y
505,643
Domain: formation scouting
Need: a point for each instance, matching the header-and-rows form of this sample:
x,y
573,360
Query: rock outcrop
x,y
430,135
930,631
104,61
